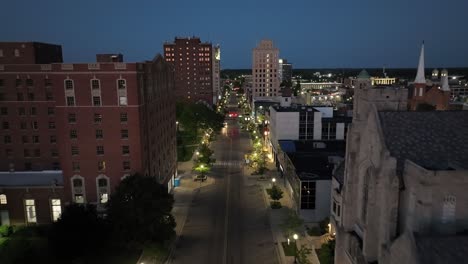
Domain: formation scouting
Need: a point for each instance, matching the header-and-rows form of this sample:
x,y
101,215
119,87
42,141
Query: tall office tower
x,y
216,74
193,66
265,70
285,69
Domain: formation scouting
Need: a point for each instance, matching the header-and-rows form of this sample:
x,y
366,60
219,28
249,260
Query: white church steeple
x,y
420,76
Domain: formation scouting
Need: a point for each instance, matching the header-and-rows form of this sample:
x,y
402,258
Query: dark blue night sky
x,y
309,33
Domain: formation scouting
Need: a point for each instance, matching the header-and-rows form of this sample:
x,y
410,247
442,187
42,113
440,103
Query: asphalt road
x,y
227,222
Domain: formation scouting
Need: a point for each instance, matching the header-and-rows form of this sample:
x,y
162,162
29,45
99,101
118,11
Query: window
x,y
448,209
23,125
78,189
2,97
97,118
71,118
54,153
37,153
69,84
51,125
123,117
122,100
53,139
75,151
24,139
18,82
35,139
125,150
16,53
50,111
124,133
9,153
4,110
29,82
49,96
121,84
3,199
96,101
30,207
103,189
100,150
75,166
47,82
70,101
1,53
73,134
95,84
99,134
101,165
6,125
56,209
33,111
34,125
308,194
126,165
21,111
7,139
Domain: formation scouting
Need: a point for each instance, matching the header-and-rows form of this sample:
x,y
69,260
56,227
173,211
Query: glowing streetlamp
x,y
295,236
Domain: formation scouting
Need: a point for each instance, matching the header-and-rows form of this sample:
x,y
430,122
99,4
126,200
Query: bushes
x,y
326,254
6,231
275,205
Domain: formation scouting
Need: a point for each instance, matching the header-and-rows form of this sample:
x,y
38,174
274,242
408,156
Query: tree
x,y
140,211
275,193
303,255
292,223
326,254
204,156
203,169
78,227
297,87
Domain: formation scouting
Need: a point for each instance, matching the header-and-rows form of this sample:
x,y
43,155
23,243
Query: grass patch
x,y
155,253
289,250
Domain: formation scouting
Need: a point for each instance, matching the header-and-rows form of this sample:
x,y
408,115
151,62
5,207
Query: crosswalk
x,y
231,163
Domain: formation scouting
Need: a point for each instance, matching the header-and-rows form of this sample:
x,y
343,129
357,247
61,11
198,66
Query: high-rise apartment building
x,y
193,66
97,122
285,70
265,70
216,74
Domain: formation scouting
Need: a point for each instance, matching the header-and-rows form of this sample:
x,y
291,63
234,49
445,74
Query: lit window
x,y
103,189
101,165
3,199
17,53
122,100
78,189
56,209
30,206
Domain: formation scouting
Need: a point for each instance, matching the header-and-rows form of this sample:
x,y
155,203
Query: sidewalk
x,y
277,216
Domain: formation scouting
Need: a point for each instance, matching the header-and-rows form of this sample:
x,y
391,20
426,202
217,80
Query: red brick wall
x,y
86,128
41,195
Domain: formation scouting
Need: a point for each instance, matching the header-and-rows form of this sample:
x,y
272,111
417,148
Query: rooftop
x,y
31,178
311,166
442,249
435,140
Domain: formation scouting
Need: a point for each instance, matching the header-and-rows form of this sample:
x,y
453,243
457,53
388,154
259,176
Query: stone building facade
x,y
404,180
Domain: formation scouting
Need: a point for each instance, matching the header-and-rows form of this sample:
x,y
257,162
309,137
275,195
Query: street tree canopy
x,y
195,116
140,211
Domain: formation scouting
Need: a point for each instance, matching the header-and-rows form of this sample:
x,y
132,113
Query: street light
x,y
197,153
295,236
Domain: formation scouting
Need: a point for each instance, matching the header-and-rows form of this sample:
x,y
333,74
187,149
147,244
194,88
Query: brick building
x,y
96,122
193,66
436,94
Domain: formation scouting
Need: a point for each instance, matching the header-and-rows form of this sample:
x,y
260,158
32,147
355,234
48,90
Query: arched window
x,y
103,189
78,189
3,199
448,209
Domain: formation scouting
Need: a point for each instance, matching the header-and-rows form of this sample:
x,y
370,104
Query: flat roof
x,y
31,178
